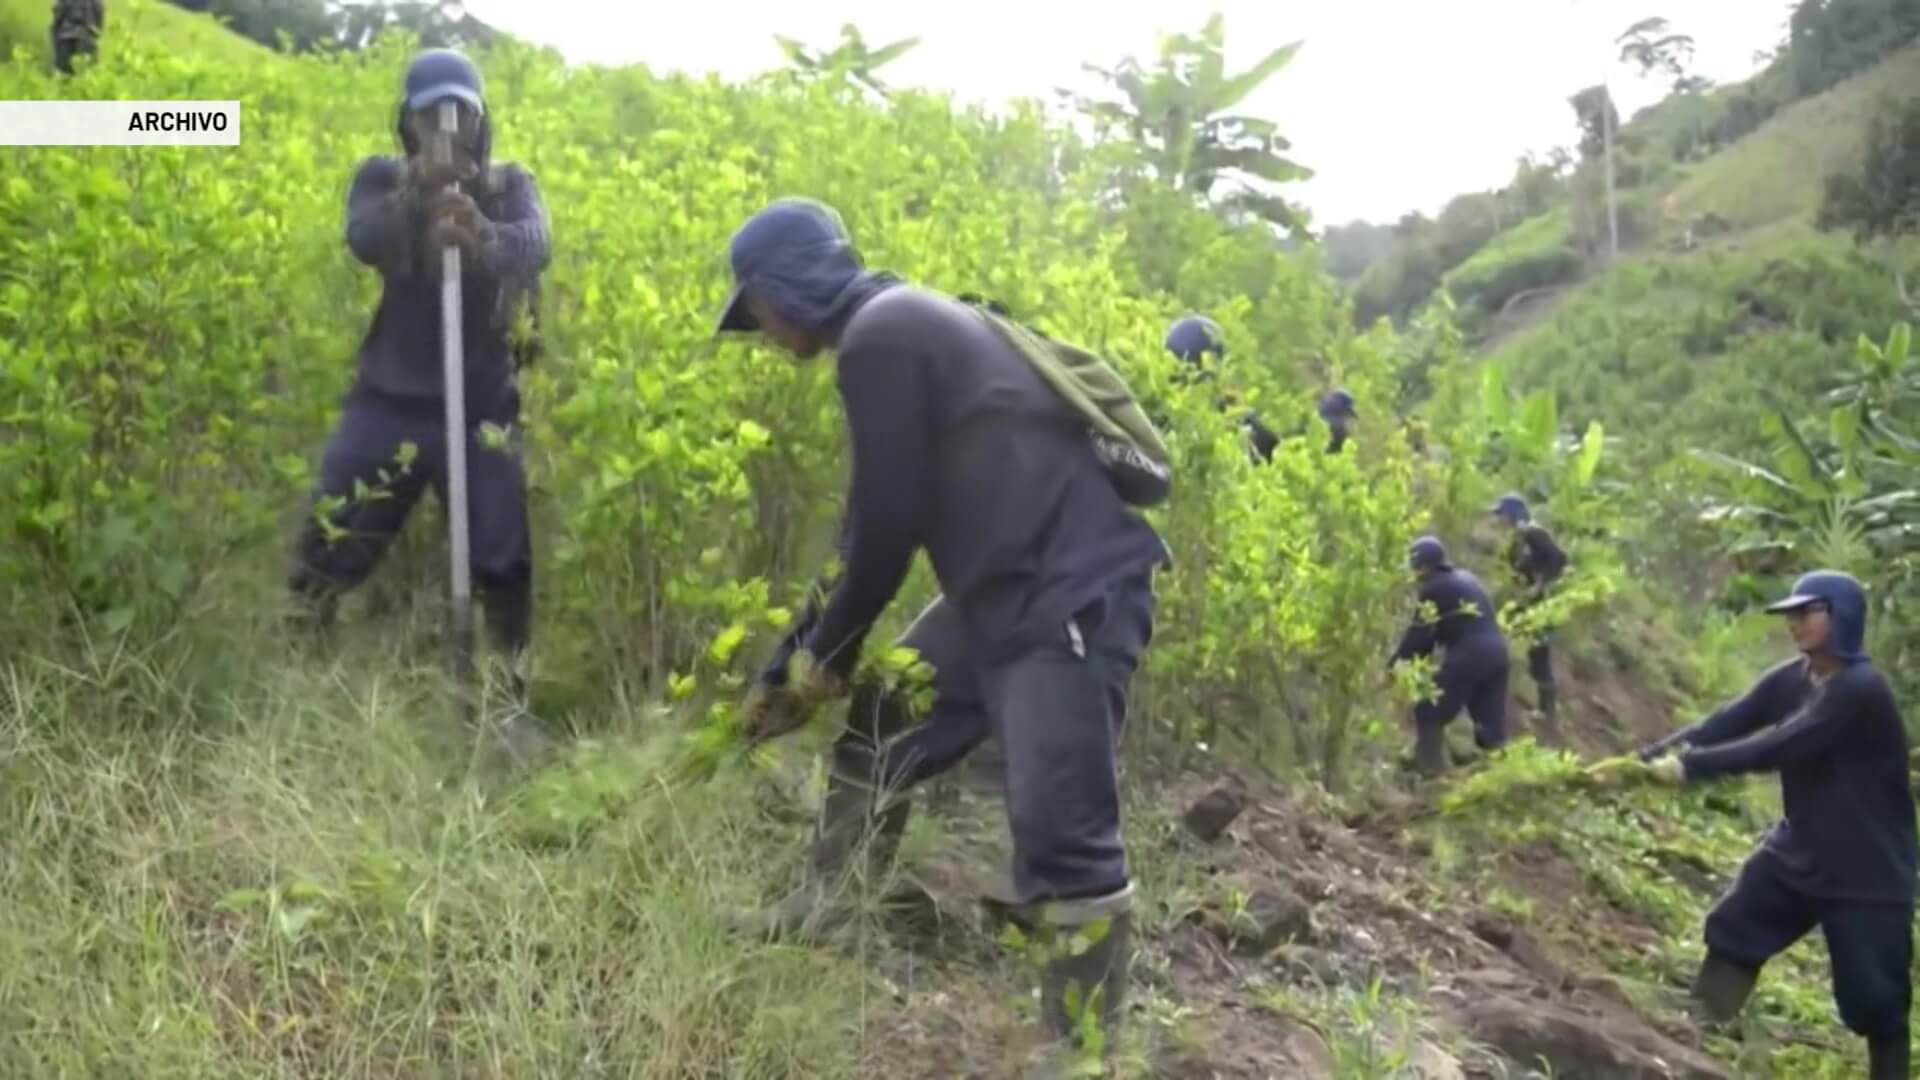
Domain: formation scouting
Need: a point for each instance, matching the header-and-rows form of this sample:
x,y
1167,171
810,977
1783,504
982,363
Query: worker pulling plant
x,y
963,447
1539,561
1200,346
1843,857
1474,665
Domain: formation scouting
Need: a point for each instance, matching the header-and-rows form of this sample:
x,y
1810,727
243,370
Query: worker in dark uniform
x,y
1336,407
402,212
1843,857
1473,668
76,31
962,448
1538,561
1196,341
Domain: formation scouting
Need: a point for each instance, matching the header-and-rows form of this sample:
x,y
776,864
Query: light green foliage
x,y
156,26
1502,441
851,59
1535,255
1842,491
683,488
292,877
271,866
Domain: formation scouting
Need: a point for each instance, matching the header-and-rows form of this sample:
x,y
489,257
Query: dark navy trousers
x,y
1472,676
367,444
1870,946
1058,712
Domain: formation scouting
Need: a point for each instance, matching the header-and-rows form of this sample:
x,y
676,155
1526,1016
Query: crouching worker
x,y
402,212
1473,669
966,445
1843,859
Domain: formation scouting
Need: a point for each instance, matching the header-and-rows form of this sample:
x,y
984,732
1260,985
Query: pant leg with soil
x,y
1053,710
1756,919
361,470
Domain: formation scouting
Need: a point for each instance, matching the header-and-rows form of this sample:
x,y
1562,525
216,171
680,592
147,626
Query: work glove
x,y
1669,770
425,175
772,711
453,219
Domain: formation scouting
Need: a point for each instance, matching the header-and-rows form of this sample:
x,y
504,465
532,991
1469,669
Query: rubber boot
x,y
1887,1058
1076,982
847,823
1720,989
855,813
1429,749
309,626
509,614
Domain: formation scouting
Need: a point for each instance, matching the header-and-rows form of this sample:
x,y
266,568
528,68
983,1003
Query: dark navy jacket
x,y
961,448
1465,615
1841,752
400,357
1535,556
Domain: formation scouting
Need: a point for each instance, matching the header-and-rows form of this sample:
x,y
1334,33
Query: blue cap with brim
x,y
1796,602
433,95
1845,597
785,229
438,74
735,318
1194,335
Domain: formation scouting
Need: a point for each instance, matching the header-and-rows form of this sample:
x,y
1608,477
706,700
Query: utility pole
x,y
1606,140
1606,129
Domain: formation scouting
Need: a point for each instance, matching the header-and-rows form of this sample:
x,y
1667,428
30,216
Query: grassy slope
x,y
1777,172
24,23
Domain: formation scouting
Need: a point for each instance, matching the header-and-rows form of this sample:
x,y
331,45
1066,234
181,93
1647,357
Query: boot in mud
x,y
1085,988
1721,988
1887,1058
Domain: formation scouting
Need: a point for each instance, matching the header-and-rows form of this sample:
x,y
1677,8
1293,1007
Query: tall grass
x,y
235,860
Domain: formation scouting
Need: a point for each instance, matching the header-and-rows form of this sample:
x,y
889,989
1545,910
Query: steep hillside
x,y
1729,302
234,851
1777,173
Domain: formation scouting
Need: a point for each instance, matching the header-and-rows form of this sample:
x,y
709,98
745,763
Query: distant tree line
x,y
305,25
1881,198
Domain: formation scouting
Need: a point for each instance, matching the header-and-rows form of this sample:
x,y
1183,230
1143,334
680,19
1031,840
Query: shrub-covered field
x,y
229,857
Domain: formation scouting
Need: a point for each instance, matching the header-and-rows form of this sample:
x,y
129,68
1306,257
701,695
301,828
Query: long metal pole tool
x,y
453,367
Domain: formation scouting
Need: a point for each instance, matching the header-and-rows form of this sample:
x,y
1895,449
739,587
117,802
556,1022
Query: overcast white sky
x,y
1397,104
